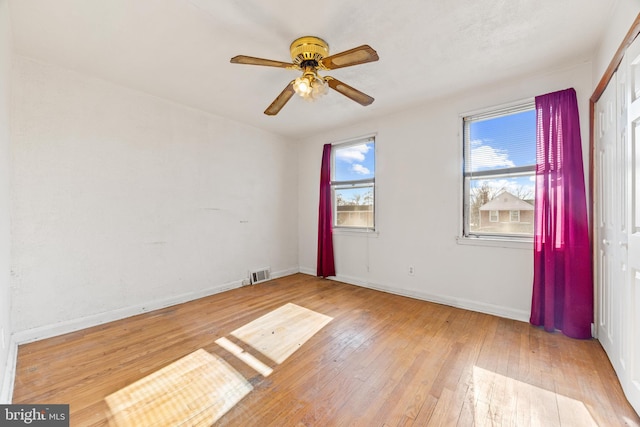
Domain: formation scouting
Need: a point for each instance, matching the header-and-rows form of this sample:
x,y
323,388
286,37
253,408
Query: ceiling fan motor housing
x,y
308,48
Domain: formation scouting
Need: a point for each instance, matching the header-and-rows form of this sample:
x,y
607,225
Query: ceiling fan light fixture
x,y
319,88
310,86
302,86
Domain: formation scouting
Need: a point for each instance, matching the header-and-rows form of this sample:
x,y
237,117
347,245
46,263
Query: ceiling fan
x,y
311,54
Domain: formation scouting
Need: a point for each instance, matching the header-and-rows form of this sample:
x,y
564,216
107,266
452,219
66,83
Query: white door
x,y
606,254
631,382
617,222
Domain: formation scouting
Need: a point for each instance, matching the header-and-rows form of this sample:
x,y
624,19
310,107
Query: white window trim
x,y
511,216
512,242
353,231
497,216
346,230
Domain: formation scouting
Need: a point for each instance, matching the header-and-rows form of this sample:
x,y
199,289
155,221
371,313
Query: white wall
x,y
5,164
419,204
621,19
124,202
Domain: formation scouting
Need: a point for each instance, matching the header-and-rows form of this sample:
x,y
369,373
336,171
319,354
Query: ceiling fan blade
x,y
250,60
280,100
351,93
355,56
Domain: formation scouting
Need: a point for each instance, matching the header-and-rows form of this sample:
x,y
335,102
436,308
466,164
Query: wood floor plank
x,y
383,360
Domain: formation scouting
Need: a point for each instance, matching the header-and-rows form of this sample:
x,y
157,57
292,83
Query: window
x,y
353,184
499,172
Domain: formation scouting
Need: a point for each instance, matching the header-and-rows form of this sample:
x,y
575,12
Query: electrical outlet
x,y
411,271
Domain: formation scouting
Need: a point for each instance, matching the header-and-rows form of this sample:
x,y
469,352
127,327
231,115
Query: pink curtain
x,y
326,265
562,278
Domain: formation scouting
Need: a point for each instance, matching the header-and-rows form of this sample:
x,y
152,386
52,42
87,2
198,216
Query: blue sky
x,y
502,142
354,162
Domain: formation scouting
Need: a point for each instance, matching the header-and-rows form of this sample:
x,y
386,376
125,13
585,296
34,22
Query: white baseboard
x,y
9,373
48,331
466,304
60,328
283,273
307,270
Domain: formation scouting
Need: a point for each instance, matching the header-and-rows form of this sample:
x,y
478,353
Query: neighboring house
x,y
506,213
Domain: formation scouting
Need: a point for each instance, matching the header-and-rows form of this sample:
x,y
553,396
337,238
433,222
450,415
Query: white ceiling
x,y
180,49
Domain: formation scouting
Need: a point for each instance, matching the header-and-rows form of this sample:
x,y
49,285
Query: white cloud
x,y
485,156
358,168
354,153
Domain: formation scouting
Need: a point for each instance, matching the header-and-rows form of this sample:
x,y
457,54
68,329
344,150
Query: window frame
x,y
466,234
494,218
351,184
511,216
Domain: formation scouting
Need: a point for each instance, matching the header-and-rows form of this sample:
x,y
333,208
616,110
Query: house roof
x,y
180,50
506,201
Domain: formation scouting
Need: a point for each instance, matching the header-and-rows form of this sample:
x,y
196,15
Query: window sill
x,y
496,243
362,232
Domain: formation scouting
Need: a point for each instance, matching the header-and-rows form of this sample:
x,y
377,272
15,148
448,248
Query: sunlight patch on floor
x,y
200,388
247,358
196,390
500,400
279,333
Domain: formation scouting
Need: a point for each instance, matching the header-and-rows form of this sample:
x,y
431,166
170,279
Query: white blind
x,y
501,140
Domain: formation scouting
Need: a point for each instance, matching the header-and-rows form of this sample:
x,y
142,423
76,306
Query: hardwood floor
x,y
383,360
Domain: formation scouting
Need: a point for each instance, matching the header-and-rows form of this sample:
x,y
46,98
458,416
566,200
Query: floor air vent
x,y
261,275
